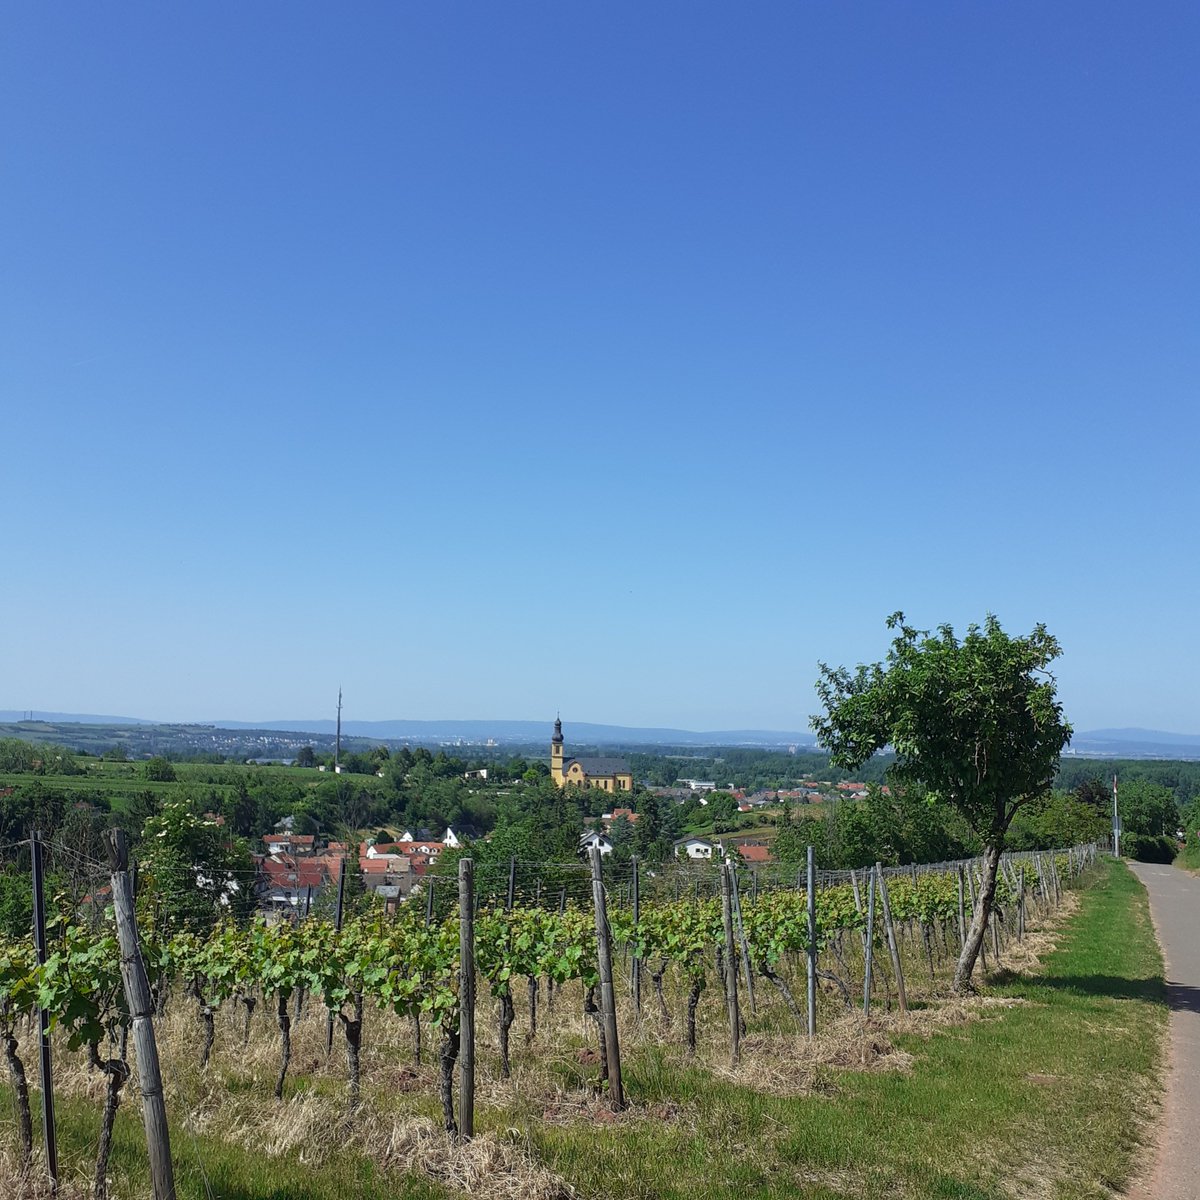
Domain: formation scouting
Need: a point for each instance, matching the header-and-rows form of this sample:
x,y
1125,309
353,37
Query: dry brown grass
x,y
18,1184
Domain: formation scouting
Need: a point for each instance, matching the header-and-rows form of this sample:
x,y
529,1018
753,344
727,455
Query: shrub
x,y
1145,848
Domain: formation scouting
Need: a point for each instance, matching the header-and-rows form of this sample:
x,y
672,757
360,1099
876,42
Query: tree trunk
x,y
285,1041
592,1009
692,1001
449,1056
533,1007
249,1002
657,976
21,1087
352,1028
416,1024
206,1016
979,920
117,1073
781,983
507,1016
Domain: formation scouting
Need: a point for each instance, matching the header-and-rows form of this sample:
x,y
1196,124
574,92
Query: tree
x,y
306,756
196,869
159,770
1147,809
976,721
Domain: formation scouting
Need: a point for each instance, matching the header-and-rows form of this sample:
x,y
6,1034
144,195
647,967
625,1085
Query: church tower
x,y
556,753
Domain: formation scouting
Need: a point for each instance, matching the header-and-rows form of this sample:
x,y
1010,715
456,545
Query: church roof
x,y
601,766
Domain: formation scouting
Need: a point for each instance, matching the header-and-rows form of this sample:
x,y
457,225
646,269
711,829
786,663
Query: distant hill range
x,y
1135,743
1096,743
449,731
527,732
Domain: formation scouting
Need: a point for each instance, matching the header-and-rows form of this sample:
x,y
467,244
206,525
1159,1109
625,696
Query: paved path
x,y
1175,906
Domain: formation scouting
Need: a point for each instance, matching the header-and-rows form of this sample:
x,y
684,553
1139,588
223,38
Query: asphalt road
x,y
1175,906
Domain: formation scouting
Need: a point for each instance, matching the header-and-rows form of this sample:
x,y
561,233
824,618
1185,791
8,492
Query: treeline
x,y
1182,778
748,769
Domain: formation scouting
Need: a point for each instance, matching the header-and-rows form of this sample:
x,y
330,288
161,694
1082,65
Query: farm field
x,y
1012,1093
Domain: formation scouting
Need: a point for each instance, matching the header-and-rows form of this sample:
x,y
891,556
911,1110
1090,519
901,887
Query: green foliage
x,y
197,870
975,721
1146,808
159,770
18,757
1149,848
1057,819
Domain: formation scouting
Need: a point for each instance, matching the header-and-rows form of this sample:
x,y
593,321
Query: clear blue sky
x,y
623,359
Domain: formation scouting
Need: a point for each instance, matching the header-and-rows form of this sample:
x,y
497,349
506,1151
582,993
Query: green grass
x,y
1189,856
207,1168
1043,1091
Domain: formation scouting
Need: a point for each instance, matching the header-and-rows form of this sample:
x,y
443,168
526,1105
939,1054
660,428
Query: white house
x,y
602,840
696,847
450,838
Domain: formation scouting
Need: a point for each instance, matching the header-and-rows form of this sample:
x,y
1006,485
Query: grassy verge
x,y
1036,1098
1189,856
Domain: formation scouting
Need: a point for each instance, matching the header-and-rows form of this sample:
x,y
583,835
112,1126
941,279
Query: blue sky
x,y
624,359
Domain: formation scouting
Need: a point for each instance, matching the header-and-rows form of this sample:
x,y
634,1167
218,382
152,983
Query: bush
x,y
1145,848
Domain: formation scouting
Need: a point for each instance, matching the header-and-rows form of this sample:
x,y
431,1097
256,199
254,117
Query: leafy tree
x,y
306,756
1058,819
198,871
159,770
976,721
1147,809
722,809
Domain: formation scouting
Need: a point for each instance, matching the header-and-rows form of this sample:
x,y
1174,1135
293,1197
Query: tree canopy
x,y
976,721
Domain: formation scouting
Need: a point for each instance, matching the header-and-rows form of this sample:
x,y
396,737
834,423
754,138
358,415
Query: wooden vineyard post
x,y
46,1074
743,941
137,996
858,906
337,924
962,915
731,966
1021,903
635,967
466,997
869,943
608,1003
811,905
893,947
512,883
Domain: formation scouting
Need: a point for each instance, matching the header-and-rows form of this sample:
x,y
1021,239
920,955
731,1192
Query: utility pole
x,y
337,745
1116,821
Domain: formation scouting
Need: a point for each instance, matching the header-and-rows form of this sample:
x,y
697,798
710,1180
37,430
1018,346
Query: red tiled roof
x,y
283,870
755,854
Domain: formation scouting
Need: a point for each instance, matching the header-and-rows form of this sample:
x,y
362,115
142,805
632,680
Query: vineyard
x,y
720,969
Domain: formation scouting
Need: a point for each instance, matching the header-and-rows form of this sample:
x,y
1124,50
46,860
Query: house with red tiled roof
x,y
755,852
286,881
386,872
289,843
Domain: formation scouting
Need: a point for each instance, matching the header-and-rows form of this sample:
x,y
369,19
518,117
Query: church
x,y
611,774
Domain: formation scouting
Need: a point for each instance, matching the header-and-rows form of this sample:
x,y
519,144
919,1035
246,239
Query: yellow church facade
x,y
611,774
